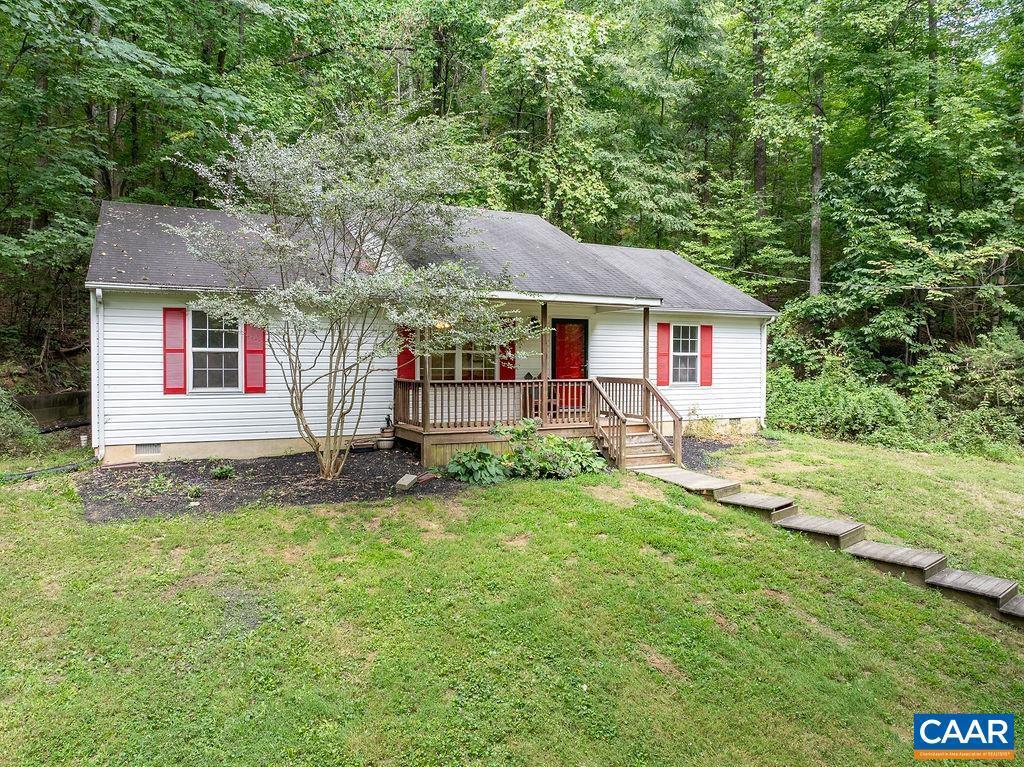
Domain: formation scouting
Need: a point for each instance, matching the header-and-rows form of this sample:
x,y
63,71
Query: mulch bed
x,y
173,488
697,453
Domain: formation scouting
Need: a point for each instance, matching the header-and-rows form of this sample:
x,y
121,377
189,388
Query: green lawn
x,y
971,509
594,622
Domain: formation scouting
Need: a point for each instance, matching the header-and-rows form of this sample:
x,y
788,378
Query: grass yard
x,y
971,509
605,621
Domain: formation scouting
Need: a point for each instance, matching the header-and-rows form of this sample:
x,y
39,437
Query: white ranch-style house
x,y
641,344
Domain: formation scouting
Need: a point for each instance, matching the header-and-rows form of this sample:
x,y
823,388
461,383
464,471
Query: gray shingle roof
x,y
680,284
133,247
543,258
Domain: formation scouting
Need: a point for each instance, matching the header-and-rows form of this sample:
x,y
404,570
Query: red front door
x,y
570,361
570,348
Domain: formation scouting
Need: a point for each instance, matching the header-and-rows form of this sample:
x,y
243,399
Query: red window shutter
x,y
174,351
706,333
664,352
255,356
406,359
507,358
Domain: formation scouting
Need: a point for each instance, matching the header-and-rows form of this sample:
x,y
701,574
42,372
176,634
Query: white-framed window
x,y
464,364
443,366
215,353
685,353
478,365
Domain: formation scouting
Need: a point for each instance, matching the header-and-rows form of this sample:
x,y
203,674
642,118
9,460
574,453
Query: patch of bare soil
x,y
660,662
630,490
432,530
520,541
173,488
662,556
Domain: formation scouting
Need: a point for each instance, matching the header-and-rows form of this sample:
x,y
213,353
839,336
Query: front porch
x,y
629,419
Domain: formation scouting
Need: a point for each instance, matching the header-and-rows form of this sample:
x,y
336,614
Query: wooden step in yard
x,y
773,507
692,481
913,565
996,596
1013,611
980,591
836,533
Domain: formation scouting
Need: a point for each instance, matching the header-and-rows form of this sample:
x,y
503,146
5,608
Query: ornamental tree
x,y
313,255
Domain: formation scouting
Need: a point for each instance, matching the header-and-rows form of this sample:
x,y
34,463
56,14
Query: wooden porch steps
x,y
998,597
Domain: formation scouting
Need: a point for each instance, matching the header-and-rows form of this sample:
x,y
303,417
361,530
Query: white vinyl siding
x,y
137,411
615,349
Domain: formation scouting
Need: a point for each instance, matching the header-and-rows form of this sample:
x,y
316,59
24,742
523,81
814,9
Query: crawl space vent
x,y
150,448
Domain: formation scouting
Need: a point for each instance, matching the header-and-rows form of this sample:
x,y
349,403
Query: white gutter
x,y
136,288
770,314
502,295
99,443
575,298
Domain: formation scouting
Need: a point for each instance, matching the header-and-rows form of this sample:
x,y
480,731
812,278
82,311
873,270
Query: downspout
x,y
98,437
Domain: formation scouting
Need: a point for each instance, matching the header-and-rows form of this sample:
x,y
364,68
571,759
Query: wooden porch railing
x,y
479,405
605,403
408,400
609,424
639,398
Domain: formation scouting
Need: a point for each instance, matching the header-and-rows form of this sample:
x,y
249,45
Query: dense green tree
x,y
866,152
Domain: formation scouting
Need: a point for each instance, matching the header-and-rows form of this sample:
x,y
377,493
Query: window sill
x,y
214,392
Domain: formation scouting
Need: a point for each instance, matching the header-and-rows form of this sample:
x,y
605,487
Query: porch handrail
x,y
455,406
614,434
642,399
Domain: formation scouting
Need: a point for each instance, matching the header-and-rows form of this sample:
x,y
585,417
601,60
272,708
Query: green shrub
x,y
530,456
534,457
18,431
222,471
840,405
159,485
479,466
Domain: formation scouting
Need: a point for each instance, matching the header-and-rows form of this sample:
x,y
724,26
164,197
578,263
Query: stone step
x,y
773,507
837,533
978,590
914,565
1013,610
692,481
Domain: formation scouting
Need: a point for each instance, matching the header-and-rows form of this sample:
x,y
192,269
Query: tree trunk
x,y
42,126
485,123
549,130
933,60
438,75
818,109
760,150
